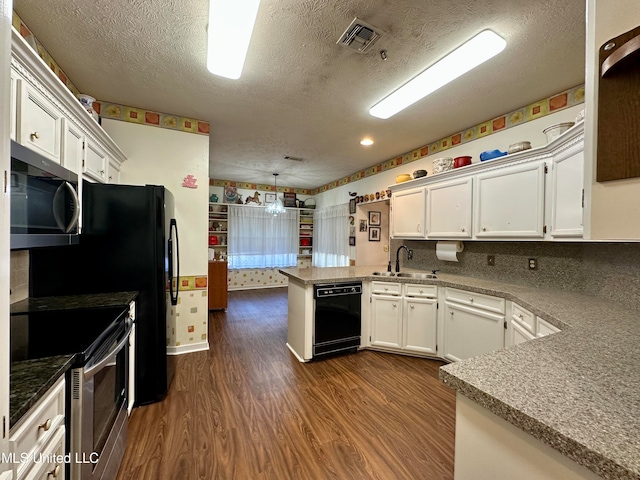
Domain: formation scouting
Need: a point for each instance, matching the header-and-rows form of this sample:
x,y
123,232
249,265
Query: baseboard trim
x,y
191,348
300,359
257,287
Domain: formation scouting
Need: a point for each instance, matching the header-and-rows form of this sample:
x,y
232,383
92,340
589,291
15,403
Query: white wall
x,y
165,157
531,131
160,156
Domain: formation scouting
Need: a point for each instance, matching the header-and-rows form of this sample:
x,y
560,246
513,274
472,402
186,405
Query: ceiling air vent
x,y
293,159
360,36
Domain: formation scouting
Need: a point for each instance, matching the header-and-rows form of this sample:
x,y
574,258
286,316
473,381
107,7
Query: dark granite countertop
x,y
30,380
578,391
70,302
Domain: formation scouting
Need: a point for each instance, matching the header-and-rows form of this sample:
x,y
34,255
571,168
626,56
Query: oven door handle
x,y
110,357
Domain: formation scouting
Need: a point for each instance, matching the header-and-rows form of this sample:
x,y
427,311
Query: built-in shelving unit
x,y
306,232
218,228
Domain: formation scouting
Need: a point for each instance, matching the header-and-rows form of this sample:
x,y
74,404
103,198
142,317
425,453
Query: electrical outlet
x,y
491,260
533,264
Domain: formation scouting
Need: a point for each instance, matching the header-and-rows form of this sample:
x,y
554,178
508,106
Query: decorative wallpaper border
x,y
259,186
113,110
125,113
31,39
568,98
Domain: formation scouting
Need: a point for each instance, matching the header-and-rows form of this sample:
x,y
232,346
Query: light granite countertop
x,y
578,391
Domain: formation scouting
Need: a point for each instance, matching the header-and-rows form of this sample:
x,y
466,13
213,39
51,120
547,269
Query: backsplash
x,y
610,270
19,275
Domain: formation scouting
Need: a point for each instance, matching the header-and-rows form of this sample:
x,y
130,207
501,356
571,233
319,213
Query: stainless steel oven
x,y
98,406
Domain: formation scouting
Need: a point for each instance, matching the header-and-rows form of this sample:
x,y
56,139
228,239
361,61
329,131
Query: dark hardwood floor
x,y
247,409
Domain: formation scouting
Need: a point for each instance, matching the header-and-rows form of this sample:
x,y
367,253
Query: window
x,y
331,236
260,240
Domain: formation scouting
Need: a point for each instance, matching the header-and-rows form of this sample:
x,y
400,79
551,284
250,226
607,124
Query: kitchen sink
x,y
384,274
419,275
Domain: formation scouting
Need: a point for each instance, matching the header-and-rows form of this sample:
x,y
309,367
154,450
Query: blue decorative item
x,y
491,154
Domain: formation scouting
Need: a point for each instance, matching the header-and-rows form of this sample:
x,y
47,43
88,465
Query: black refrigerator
x,y
129,241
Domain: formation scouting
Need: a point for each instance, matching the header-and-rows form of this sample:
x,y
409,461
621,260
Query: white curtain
x,y
260,240
331,236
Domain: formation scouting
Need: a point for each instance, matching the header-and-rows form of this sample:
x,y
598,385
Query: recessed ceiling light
x,y
366,142
466,57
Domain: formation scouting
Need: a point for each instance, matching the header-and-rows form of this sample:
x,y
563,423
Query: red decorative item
x,y
461,161
213,240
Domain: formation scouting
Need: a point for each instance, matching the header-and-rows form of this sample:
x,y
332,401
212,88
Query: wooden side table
x,y
217,285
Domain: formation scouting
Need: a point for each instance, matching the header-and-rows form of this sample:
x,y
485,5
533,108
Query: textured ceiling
x,y
300,94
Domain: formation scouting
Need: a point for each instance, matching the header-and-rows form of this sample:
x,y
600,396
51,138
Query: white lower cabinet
x,y
40,434
525,326
386,321
404,317
473,324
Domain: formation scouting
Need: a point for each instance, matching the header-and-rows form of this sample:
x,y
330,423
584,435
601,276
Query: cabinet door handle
x,y
101,172
386,288
419,228
484,229
462,229
55,472
471,299
393,305
420,291
46,425
451,312
35,135
520,316
412,306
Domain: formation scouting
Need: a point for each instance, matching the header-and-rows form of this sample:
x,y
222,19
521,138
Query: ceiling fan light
x,y
366,142
229,33
466,57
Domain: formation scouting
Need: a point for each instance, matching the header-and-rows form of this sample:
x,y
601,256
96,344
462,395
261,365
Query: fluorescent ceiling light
x,y
466,57
230,27
366,142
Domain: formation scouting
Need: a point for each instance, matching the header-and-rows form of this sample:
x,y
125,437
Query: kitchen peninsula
x,y
575,392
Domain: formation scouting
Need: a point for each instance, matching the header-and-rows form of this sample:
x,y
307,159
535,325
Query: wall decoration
x,y
269,198
255,198
189,182
374,234
374,218
352,241
352,231
289,199
352,205
363,225
230,194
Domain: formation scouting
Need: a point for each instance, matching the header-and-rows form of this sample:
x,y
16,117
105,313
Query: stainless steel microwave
x,y
44,201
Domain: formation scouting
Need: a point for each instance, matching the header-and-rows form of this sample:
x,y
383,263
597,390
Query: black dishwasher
x,y
336,318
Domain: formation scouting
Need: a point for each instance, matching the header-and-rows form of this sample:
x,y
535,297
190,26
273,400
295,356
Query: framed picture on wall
x,y
374,234
352,241
363,225
289,199
269,198
352,205
374,218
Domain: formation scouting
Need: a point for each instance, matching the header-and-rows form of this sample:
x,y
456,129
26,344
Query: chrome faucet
x,y
409,256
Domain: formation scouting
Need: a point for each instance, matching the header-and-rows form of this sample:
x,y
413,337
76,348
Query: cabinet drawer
x,y
478,300
39,425
47,470
524,317
387,288
412,290
545,328
520,334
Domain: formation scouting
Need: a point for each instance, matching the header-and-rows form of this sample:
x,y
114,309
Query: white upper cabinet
x,y
449,209
509,202
72,146
408,215
567,192
39,122
95,162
